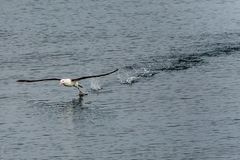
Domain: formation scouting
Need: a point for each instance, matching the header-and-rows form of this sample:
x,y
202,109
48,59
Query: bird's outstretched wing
x,y
94,76
58,79
39,80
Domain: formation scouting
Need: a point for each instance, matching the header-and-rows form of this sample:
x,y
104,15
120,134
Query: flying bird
x,y
67,82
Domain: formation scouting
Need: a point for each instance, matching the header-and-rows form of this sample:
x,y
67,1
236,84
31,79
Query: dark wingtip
x,y
20,80
113,71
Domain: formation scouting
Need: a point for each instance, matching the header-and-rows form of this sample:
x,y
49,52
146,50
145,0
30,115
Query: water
x,y
175,97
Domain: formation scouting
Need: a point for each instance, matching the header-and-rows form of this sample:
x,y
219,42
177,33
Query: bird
x,y
68,82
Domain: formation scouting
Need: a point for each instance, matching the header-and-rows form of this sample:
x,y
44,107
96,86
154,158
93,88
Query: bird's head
x,y
62,81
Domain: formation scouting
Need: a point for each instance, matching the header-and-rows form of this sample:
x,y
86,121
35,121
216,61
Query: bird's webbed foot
x,y
81,94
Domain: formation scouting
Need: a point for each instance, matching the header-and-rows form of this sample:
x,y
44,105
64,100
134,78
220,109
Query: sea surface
x,y
176,95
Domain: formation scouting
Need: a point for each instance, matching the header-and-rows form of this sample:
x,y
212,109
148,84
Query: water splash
x,y
94,84
131,80
133,75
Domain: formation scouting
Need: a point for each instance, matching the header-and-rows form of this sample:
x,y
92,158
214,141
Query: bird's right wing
x,y
94,76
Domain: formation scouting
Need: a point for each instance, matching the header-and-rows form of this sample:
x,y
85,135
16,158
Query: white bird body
x,y
69,83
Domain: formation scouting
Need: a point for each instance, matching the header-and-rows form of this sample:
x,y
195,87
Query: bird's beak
x,y
60,83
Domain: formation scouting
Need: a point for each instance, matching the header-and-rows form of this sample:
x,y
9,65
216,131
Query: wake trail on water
x,y
177,61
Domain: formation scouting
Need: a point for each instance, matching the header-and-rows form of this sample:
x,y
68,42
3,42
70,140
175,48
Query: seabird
x,y
67,82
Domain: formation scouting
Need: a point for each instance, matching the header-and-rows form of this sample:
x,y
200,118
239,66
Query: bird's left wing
x,y
39,80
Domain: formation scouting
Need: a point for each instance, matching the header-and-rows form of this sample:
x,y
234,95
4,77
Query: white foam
x,y
95,84
131,80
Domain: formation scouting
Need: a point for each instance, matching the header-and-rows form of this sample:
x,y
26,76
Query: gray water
x,y
175,96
